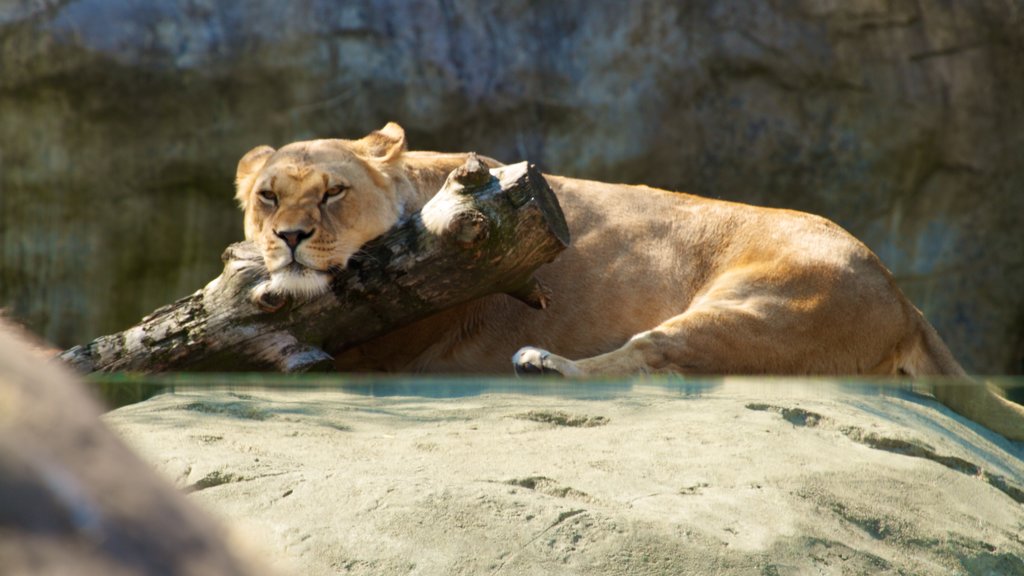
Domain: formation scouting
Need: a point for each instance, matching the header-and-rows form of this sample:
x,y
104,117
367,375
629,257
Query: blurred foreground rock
x,y
75,500
754,477
903,121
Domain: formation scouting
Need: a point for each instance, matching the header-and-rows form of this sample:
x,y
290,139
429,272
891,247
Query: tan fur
x,y
654,281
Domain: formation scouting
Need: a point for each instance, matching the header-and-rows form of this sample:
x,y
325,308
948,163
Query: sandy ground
x,y
742,478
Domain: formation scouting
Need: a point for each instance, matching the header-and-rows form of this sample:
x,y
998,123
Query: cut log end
x,y
80,358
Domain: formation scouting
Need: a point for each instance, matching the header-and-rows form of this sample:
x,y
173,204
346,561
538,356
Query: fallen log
x,y
484,232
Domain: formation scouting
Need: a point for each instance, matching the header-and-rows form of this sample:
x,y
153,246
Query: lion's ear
x,y
248,166
385,144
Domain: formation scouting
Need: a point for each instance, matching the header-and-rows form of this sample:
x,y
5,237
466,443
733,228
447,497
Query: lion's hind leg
x,y
715,338
684,343
755,321
698,341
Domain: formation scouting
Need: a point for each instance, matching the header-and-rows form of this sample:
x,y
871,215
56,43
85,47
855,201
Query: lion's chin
x,y
299,281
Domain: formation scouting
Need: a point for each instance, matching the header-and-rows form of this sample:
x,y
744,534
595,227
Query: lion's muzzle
x,y
292,238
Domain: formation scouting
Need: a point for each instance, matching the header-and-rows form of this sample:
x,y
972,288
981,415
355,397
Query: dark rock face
x,y
903,121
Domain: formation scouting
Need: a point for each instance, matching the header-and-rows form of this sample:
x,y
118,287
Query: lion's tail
x,y
925,354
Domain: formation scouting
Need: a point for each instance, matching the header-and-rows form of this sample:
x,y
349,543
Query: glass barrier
x,y
122,389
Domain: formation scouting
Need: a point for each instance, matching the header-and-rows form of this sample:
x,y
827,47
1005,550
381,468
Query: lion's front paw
x,y
531,361
266,299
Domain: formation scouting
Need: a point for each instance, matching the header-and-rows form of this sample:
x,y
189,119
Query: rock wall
x,y
121,122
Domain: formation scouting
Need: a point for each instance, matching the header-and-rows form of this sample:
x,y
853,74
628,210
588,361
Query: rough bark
x,y
484,232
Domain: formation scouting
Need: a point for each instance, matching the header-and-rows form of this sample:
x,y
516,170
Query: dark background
x,y
121,122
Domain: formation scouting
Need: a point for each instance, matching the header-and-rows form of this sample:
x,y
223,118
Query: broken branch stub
x,y
485,232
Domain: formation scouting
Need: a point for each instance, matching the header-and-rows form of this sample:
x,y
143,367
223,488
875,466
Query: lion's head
x,y
311,205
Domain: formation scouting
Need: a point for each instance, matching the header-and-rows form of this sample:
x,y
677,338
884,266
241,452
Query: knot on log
x,y
451,213
468,228
473,173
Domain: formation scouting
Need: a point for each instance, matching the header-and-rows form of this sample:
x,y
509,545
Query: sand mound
x,y
738,479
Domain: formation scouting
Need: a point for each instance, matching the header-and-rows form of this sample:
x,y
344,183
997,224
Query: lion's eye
x,y
267,197
333,194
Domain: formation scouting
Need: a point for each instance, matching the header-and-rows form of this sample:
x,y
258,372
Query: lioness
x,y
653,281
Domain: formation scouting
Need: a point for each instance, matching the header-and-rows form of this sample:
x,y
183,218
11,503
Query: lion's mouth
x,y
294,267
299,280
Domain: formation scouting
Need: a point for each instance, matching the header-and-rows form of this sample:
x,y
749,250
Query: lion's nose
x,y
293,237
